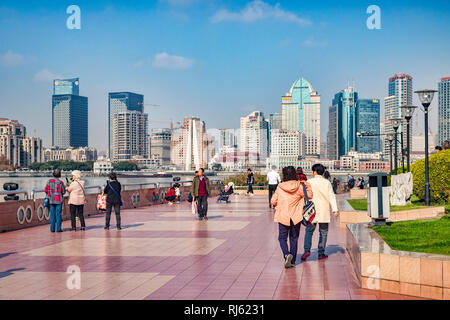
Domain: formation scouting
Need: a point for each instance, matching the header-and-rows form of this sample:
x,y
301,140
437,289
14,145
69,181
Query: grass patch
x,y
429,236
361,205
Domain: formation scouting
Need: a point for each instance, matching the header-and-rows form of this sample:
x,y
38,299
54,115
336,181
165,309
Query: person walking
x,y
300,175
113,200
55,191
77,199
288,201
335,185
250,182
201,190
273,178
323,198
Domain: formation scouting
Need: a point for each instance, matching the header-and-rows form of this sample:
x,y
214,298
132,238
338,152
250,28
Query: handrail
x,y
7,193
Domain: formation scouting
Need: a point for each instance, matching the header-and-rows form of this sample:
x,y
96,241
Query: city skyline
x,y
190,67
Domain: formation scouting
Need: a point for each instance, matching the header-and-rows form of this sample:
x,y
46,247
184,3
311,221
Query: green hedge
x,y
241,179
439,173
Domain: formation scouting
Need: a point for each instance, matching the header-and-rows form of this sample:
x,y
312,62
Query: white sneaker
x,y
170,203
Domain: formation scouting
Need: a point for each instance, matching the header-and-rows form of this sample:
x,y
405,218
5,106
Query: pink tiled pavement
x,y
244,262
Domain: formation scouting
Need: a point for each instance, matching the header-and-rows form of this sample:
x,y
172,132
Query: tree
x,y
217,167
125,166
4,164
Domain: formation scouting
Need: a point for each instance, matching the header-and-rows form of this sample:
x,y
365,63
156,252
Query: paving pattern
x,y
162,252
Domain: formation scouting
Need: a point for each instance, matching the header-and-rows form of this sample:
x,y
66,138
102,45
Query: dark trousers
x,y
76,211
323,233
202,206
109,207
250,188
171,198
272,189
293,231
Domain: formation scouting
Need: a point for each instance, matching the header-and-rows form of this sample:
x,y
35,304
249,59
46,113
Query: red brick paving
x,y
248,265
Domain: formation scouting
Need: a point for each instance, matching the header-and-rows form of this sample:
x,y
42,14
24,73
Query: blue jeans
x,y
323,231
55,216
293,231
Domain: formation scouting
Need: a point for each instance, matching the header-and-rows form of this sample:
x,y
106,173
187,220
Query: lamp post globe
x,y
426,97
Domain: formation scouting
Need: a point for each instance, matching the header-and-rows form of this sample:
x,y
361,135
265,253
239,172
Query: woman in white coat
x,y
325,202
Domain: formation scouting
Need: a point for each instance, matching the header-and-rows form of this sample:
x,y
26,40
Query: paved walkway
x,y
163,253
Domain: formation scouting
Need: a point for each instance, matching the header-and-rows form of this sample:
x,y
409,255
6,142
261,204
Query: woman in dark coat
x,y
113,200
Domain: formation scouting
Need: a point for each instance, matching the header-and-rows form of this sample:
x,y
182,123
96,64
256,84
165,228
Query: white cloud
x,y
259,10
311,43
167,61
45,76
11,59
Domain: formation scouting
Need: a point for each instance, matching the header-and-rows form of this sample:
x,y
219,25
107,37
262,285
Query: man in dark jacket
x,y
201,191
113,199
250,182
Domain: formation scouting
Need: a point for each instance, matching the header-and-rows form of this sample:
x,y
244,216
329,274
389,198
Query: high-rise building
x,y
254,137
275,123
128,138
288,148
227,138
342,123
160,146
122,102
400,92
16,147
444,110
190,145
69,121
301,112
368,120
66,86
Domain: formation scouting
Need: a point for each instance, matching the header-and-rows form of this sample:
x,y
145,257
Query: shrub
x,y
241,179
439,173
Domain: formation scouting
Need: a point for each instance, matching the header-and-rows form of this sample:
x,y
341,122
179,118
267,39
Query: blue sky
x,y
215,59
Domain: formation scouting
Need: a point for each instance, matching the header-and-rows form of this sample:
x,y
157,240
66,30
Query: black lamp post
x,y
426,96
395,124
390,138
408,112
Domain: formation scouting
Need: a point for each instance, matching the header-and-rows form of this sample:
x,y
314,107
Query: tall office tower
x,y
66,86
190,145
128,140
288,148
254,137
275,123
368,120
160,146
444,110
227,138
301,112
69,121
342,123
383,139
400,94
121,102
16,147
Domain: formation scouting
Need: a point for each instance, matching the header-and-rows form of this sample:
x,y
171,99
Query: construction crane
x,y
142,104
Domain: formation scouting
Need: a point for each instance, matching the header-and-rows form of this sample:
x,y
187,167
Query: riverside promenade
x,y
163,253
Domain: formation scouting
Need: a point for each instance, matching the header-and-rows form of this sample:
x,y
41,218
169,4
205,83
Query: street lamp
x,y
390,138
408,112
395,124
426,96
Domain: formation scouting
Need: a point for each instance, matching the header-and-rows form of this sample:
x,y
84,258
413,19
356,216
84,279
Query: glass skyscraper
x,y
121,102
444,110
69,121
66,86
368,120
301,112
342,123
